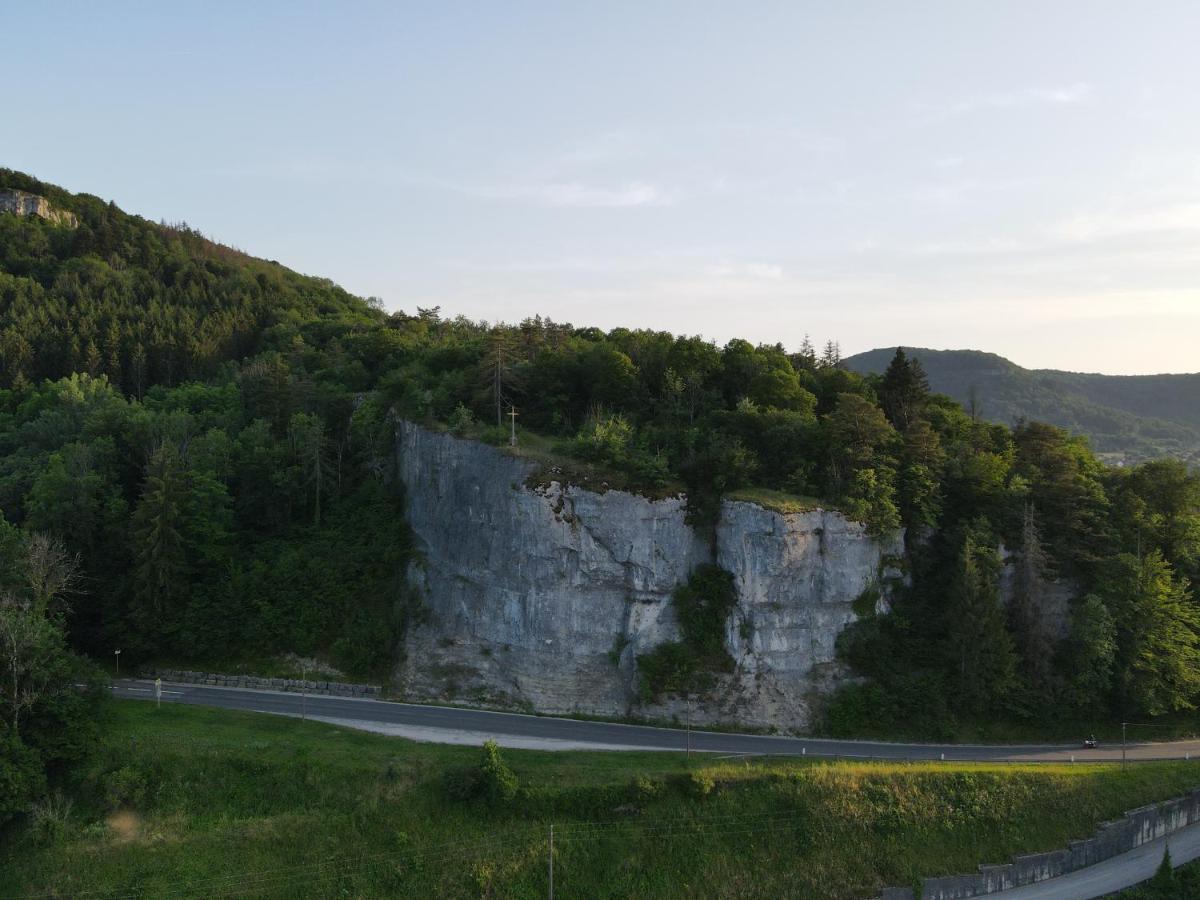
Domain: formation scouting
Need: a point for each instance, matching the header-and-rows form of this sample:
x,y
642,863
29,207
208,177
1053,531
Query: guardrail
x,y
257,682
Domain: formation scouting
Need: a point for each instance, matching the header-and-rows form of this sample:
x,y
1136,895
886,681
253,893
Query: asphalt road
x,y
455,725
1113,874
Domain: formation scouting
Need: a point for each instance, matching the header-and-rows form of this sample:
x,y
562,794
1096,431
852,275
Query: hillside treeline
x,y
210,435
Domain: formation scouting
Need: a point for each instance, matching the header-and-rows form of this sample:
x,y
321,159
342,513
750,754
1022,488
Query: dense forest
x,y
1126,418
196,465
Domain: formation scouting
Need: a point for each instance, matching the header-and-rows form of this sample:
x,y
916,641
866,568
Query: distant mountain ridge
x,y
1128,418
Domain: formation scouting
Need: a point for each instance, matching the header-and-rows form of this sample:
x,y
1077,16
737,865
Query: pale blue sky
x,y
1015,177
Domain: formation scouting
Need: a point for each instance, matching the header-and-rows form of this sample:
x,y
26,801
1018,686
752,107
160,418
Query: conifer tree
x,y
982,653
904,390
1159,627
1025,610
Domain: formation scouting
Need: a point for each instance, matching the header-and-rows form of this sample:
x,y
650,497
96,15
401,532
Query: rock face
x,y
23,204
541,597
1052,601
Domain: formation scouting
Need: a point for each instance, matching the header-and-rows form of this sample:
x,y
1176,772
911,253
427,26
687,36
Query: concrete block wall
x,y
295,685
1135,828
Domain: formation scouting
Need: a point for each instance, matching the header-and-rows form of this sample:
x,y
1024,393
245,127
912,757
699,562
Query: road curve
x,y
445,724
1114,874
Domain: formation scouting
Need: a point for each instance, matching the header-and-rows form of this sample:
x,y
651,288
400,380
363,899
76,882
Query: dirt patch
x,y
124,826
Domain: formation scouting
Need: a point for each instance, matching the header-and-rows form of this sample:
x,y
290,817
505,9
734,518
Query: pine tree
x,y
496,369
832,357
1160,635
161,568
982,653
904,390
807,357
1090,654
1028,626
1163,883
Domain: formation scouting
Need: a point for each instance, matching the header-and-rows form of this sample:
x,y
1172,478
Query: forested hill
x,y
144,303
1131,417
204,442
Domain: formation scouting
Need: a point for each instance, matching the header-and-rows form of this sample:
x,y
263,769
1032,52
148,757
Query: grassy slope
x,y
251,805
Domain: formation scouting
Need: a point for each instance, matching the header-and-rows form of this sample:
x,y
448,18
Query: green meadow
x,y
192,802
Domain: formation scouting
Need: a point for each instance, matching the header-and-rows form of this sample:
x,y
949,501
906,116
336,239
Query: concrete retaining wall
x,y
1135,828
296,685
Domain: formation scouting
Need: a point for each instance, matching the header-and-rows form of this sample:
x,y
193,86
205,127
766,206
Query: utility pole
x,y
551,862
512,418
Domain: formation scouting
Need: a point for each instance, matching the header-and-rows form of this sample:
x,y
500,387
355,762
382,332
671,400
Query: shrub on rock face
x,y
702,606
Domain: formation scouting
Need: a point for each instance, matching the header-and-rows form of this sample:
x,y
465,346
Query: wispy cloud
x,y
574,194
1113,223
759,271
1062,95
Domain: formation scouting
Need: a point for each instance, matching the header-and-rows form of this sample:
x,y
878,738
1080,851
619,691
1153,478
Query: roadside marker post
x,y
689,728
158,693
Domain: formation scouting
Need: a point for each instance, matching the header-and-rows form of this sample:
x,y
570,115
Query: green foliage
x,y
498,783
124,788
981,649
212,435
865,603
492,781
233,795
1090,654
1158,635
22,775
904,390
1137,417
1166,884
702,607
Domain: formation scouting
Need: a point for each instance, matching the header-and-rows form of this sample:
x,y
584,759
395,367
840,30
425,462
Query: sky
x,y
1017,177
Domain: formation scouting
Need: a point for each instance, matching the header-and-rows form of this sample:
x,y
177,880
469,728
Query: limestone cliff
x,y
542,597
23,204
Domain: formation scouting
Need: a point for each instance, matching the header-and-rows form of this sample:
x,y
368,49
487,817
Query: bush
x,y
858,709
49,818
21,775
701,783
670,668
498,783
643,787
462,783
492,780
125,787
461,419
702,606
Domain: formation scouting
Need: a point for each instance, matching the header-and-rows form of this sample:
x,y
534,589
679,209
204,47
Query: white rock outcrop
x,y
541,597
21,203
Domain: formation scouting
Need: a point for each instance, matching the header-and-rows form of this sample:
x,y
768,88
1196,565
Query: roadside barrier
x,y
1136,827
294,685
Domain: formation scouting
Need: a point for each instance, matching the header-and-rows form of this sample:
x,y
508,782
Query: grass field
x,y
193,802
